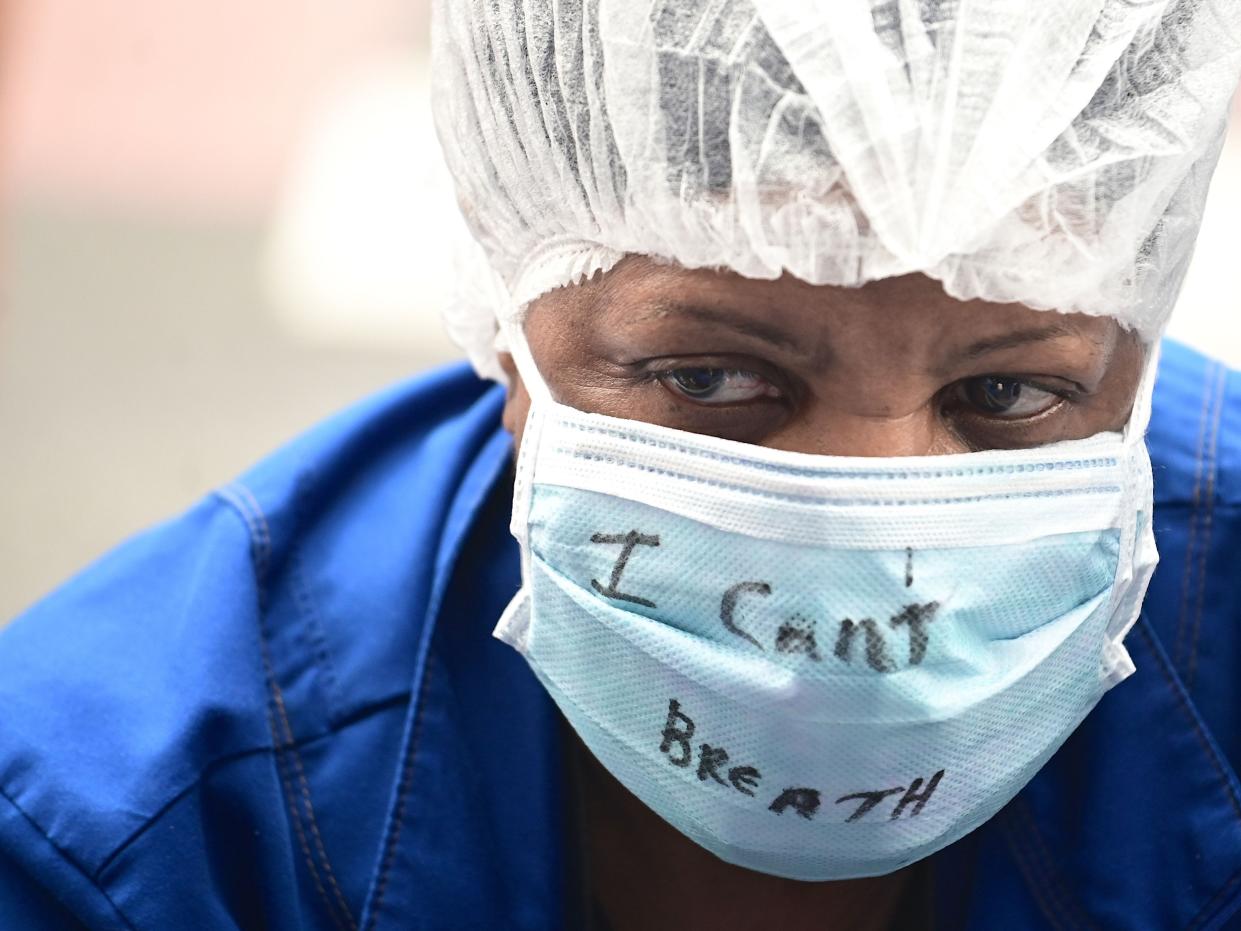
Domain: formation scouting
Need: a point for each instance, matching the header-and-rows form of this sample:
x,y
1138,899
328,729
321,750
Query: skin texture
x,y
895,368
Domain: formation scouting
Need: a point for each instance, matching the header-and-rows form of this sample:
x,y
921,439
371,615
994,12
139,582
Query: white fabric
x,y
1054,153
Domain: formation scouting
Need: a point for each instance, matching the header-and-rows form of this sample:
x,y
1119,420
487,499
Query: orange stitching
x,y
1206,529
1206,913
1182,702
1064,893
1049,910
1182,617
402,795
1203,914
296,818
1069,907
244,499
304,785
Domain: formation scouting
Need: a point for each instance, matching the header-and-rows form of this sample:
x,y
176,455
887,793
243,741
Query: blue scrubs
x,y
285,710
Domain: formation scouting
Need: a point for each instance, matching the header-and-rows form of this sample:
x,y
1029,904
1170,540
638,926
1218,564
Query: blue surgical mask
x,y
822,667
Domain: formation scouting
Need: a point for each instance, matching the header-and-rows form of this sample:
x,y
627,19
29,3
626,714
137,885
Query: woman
x,y
829,335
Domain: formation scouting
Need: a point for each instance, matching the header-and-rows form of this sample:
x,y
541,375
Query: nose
x,y
827,432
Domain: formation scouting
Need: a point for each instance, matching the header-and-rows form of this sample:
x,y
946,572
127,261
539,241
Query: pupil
x,y
1000,394
698,382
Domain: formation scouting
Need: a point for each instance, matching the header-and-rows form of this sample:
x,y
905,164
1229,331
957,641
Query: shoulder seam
x,y
64,855
296,786
360,716
242,502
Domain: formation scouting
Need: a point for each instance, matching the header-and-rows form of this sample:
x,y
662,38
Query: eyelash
x,y
765,389
958,391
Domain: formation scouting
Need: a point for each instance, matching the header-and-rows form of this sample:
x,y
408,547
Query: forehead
x,y
645,292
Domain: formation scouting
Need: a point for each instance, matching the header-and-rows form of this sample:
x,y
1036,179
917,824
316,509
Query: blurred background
x,y
224,221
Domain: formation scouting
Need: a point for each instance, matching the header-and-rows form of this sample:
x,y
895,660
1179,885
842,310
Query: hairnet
x,y
1056,153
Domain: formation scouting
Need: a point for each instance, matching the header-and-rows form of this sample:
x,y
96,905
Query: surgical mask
x,y
820,667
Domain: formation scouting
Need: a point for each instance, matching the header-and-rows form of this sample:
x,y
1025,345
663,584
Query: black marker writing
x,y
728,607
744,779
629,541
916,617
797,636
712,769
868,799
677,733
709,760
803,801
680,736
909,566
917,796
876,650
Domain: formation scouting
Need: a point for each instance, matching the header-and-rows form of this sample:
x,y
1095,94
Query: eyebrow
x,y
781,339
755,329
1020,338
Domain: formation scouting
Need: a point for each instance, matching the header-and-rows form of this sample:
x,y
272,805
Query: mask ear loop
x,y
556,263
1140,416
514,342
514,338
514,625
1118,665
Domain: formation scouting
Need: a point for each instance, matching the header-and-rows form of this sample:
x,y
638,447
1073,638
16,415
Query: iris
x,y
995,394
1005,397
699,383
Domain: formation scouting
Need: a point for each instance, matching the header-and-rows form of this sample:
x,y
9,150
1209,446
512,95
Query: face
x,y
894,368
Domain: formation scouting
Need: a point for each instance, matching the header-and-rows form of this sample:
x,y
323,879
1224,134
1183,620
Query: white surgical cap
x,y
1055,153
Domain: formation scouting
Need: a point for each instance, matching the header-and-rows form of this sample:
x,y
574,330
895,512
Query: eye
x,y
1007,398
718,385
